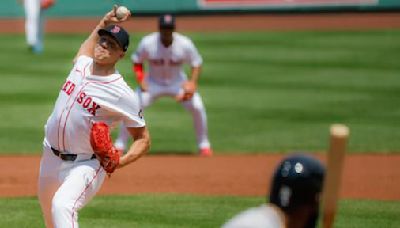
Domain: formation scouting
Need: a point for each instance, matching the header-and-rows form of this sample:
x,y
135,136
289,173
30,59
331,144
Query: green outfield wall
x,y
71,8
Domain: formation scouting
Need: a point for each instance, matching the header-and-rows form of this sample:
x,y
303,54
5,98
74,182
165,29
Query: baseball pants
x,y
67,186
195,106
34,23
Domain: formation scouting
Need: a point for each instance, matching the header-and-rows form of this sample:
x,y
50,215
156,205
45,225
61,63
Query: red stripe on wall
x,y
284,2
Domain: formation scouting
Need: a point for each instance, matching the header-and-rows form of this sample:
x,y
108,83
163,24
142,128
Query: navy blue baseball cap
x,y
118,33
166,21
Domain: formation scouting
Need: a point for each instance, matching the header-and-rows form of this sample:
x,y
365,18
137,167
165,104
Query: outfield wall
x,y
72,8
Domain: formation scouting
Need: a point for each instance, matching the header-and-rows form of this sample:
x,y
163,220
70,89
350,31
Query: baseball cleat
x,y
206,152
35,49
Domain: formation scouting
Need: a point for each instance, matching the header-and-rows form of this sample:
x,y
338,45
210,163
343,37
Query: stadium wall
x,y
72,8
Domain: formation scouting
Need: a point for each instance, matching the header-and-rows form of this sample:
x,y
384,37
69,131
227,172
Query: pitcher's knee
x,y
61,208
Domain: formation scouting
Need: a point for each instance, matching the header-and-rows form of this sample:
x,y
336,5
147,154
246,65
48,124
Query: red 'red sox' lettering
x,y
84,100
68,87
87,103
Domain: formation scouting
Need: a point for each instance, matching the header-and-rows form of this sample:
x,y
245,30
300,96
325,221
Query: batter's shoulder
x,y
257,217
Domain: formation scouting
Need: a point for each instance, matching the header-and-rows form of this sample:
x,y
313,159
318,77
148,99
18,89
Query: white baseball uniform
x,y
67,186
264,216
34,22
165,78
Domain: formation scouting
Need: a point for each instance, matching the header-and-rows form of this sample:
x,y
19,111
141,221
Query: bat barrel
x,y
335,160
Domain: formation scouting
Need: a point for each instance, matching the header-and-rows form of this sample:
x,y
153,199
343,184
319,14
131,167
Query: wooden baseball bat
x,y
335,159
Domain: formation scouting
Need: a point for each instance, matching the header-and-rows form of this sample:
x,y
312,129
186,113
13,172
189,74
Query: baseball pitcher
x,y
77,147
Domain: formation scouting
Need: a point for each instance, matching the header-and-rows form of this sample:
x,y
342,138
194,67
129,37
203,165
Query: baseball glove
x,y
45,4
102,145
189,88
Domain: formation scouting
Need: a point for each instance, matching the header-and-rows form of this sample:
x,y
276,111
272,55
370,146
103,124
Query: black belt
x,y
67,157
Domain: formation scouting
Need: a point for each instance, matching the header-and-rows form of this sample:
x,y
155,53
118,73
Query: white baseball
x,y
121,12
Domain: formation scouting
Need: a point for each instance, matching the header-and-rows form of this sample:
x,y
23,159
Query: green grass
x,y
173,211
264,91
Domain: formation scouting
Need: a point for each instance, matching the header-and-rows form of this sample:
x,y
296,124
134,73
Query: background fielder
x,y
34,23
166,51
94,92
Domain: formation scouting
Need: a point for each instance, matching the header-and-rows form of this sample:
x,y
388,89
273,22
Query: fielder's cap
x,y
166,21
118,33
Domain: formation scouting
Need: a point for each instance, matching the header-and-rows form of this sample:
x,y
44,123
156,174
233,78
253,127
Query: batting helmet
x,y
297,181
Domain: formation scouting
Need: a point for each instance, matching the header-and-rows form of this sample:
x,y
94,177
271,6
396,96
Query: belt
x,y
67,157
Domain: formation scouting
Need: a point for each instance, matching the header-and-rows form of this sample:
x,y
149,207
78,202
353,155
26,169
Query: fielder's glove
x,y
189,88
45,4
102,145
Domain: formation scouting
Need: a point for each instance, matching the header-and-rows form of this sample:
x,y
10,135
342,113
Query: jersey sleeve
x,y
81,64
140,54
192,55
133,114
115,102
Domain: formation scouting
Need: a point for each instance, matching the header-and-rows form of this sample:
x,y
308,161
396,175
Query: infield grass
x,y
173,211
264,91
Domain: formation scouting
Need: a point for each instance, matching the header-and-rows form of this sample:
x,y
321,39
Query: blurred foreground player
x,y
294,197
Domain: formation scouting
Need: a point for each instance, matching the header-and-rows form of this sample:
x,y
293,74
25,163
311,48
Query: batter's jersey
x,y
165,63
263,216
85,98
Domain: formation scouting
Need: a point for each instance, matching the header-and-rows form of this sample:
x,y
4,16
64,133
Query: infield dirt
x,y
364,177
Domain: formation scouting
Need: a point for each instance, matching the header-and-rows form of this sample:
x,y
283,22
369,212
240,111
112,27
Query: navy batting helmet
x,y
297,181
